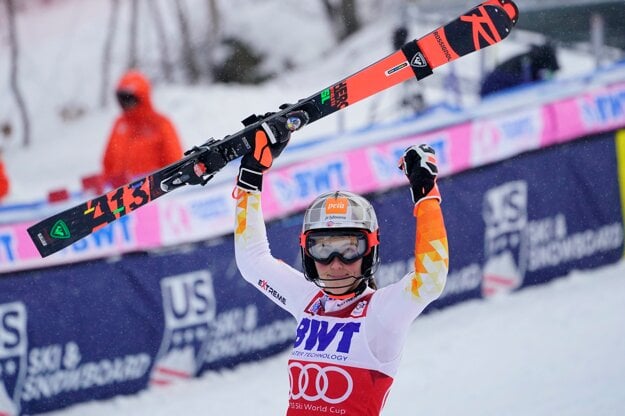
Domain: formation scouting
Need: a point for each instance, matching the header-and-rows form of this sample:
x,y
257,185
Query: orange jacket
x,y
4,181
142,140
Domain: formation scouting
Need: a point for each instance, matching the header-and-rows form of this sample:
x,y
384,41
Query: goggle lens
x,y
348,246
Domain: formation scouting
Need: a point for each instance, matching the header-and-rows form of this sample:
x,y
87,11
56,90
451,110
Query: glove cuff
x,y
250,180
433,194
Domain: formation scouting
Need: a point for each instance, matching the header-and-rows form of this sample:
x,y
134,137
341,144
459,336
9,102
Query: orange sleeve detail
x,y
431,235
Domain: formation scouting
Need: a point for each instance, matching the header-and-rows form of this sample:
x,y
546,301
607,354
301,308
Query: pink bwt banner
x,y
207,212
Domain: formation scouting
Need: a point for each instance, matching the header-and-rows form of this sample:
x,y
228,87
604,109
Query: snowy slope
x,y
555,349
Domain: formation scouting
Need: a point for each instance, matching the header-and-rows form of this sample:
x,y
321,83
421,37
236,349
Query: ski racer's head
x,y
133,92
339,244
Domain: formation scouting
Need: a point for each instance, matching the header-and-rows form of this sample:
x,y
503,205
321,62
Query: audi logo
x,y
312,382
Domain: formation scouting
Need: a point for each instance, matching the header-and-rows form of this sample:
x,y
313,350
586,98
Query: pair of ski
x,y
482,26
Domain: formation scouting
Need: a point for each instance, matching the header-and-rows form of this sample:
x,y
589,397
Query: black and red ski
x,y
482,26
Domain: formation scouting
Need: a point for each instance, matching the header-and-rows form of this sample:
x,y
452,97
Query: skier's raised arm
x,y
279,281
404,300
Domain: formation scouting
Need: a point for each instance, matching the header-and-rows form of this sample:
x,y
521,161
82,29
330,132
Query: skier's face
x,y
338,277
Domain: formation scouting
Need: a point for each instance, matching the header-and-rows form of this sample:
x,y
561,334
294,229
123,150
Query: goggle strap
x,y
302,240
373,238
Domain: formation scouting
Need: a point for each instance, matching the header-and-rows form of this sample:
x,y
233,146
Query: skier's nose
x,y
336,263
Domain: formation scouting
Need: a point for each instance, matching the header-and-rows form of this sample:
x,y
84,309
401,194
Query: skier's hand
x,y
419,164
268,143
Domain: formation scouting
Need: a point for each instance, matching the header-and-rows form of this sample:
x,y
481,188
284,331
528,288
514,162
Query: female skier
x,y
349,336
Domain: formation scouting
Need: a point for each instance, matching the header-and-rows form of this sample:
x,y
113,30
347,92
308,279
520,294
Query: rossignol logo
x,y
263,284
418,60
442,45
482,27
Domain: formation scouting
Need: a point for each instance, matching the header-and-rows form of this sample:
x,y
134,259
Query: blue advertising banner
x,y
98,329
519,222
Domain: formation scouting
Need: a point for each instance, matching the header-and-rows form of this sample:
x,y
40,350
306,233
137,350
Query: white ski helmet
x,y
341,211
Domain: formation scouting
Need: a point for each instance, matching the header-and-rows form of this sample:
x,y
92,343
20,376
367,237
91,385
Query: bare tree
x,y
106,56
165,58
21,104
343,16
188,56
133,34
212,35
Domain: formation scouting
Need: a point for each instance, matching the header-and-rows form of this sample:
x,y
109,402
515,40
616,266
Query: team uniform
x,y
347,350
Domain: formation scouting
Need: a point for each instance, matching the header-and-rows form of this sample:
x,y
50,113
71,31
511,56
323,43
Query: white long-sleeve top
x,y
346,352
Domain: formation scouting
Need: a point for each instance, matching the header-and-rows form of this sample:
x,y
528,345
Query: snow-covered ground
x,y
555,349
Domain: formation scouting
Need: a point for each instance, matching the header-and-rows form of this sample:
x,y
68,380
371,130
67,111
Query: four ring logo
x,y
312,382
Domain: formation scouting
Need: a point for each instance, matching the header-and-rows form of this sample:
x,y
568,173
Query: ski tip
x,y
511,10
508,6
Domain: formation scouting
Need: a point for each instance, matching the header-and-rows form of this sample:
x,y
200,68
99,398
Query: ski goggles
x,y
347,245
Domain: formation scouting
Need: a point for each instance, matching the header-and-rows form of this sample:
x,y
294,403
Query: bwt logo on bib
x,y
319,335
13,351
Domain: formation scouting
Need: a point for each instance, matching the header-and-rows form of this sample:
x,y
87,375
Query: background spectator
x,y
142,140
539,63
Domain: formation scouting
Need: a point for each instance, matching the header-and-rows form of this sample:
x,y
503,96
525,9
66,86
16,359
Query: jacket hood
x,y
136,83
